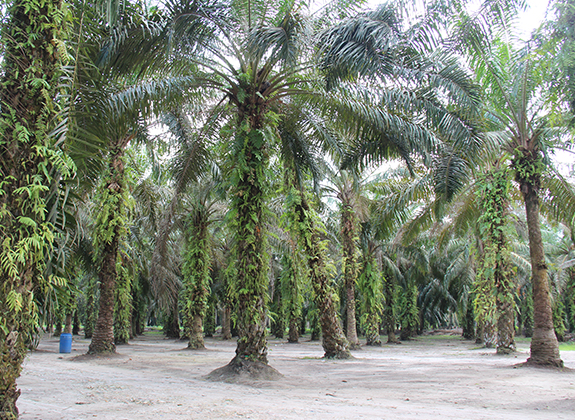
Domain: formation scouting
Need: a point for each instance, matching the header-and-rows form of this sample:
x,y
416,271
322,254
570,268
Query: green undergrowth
x,y
570,346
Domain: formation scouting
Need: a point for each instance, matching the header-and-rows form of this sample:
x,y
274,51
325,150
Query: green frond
x,y
560,200
364,45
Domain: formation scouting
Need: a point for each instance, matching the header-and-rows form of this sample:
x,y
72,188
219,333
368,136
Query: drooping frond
x,y
365,45
560,199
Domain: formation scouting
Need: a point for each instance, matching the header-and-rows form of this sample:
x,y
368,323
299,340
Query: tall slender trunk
x,y
123,307
469,320
370,284
495,288
334,343
91,308
110,228
389,315
349,222
76,323
277,306
248,205
544,345
196,272
528,165
227,323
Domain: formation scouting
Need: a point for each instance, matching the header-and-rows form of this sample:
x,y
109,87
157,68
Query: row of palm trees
x,y
258,91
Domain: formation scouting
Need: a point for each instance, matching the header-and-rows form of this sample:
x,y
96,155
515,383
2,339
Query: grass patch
x,y
567,346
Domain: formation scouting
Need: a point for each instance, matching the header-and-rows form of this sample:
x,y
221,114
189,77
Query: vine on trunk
x,y
409,312
370,286
247,217
33,52
291,290
349,237
196,271
110,232
305,223
495,289
123,301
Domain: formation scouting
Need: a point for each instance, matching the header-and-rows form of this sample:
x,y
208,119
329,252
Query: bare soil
x,y
432,377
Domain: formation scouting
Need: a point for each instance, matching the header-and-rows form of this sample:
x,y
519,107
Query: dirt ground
x,y
433,377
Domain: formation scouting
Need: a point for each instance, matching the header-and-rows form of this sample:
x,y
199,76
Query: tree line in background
x,y
246,168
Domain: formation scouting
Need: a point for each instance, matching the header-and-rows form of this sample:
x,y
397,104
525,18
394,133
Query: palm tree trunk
x,y
248,204
103,336
334,343
544,345
505,327
91,309
196,272
172,323
227,323
349,223
110,228
68,324
389,316
76,323
29,77
197,333
372,330
293,335
123,308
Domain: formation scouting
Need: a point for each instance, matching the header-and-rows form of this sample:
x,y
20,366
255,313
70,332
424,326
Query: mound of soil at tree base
x,y
244,371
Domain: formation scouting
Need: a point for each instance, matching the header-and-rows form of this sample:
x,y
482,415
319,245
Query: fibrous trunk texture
x,y
544,345
293,335
197,333
494,288
334,343
123,308
110,229
196,270
248,205
29,79
68,324
103,336
372,330
389,315
349,222
172,324
227,323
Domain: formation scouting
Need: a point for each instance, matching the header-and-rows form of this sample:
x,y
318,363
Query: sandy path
x,y
431,378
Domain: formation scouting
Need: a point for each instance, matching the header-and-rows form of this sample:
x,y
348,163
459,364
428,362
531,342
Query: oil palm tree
x,y
268,46
112,98
514,81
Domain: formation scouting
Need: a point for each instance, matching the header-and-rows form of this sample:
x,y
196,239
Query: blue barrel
x,y
65,343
